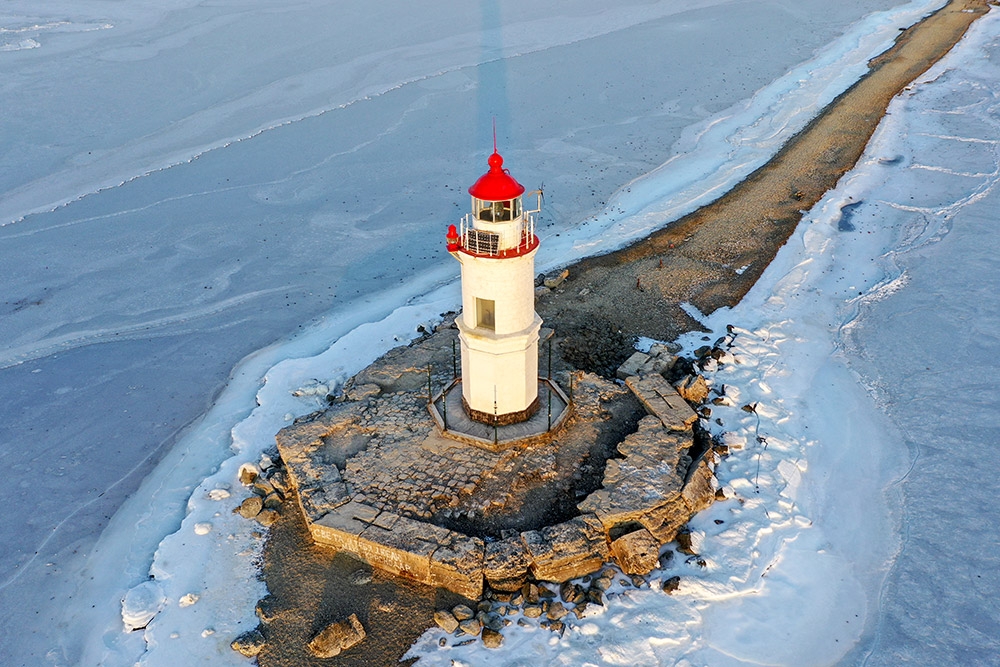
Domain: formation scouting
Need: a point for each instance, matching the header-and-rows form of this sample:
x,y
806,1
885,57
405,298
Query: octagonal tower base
x,y
549,413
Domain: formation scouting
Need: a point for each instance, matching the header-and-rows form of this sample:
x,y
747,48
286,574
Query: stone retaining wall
x,y
646,497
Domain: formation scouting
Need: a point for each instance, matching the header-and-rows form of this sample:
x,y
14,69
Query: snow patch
x,y
141,604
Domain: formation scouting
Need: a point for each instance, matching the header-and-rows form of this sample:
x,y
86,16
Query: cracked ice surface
x,y
186,182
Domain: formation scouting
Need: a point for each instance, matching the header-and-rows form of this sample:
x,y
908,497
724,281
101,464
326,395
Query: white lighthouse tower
x,y
498,327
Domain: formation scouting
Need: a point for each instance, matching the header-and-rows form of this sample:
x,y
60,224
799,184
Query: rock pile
x,y
534,603
268,484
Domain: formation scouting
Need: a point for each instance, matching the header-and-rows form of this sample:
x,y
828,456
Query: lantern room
x,y
498,225
496,196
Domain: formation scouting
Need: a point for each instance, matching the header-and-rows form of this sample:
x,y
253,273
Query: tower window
x,y
485,314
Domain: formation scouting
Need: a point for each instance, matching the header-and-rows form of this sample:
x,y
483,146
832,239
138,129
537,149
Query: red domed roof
x,y
496,184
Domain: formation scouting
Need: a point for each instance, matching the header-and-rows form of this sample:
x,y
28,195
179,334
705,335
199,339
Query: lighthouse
x,y
498,328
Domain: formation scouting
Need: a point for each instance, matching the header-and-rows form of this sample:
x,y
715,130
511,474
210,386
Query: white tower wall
x,y
508,282
499,357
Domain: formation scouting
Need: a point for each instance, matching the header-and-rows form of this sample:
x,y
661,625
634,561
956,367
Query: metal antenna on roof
x,y
491,72
494,134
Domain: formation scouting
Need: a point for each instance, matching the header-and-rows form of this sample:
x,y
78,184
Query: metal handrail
x,y
527,240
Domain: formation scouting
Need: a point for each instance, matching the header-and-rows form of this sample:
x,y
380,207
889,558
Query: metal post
x,y
495,435
454,360
550,358
444,406
548,388
430,395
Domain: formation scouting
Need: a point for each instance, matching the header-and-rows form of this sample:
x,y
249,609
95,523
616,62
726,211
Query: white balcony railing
x,y
504,240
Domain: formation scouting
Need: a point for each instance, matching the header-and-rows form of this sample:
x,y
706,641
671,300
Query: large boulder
x,y
637,552
250,643
692,389
337,637
567,550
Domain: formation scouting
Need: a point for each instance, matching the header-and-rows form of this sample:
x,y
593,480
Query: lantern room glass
x,y
497,211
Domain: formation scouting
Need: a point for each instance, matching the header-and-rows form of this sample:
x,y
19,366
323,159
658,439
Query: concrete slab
x,y
662,401
632,365
341,527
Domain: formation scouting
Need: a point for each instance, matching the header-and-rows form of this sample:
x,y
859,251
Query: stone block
x,y
446,620
664,521
320,499
341,527
405,549
662,401
555,279
567,550
664,349
653,442
635,482
661,365
471,627
693,389
699,492
637,552
632,365
462,612
458,566
506,564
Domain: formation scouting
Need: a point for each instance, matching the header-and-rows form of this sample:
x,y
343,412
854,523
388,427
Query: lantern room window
x,y
498,211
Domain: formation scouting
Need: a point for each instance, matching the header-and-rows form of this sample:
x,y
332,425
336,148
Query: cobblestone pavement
x,y
409,468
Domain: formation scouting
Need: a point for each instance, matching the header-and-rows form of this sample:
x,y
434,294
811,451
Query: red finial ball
x,y
496,184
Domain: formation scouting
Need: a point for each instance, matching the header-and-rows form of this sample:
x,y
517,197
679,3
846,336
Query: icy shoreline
x,y
254,433
637,209
275,398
